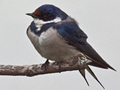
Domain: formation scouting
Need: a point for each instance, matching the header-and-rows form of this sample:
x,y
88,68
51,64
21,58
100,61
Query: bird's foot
x,y
45,66
59,66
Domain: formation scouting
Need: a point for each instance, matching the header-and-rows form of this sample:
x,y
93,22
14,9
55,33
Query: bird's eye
x,y
45,16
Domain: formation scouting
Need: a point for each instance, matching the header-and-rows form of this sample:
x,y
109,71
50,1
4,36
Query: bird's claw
x,y
45,66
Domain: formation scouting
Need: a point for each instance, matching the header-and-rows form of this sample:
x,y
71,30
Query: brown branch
x,y
32,70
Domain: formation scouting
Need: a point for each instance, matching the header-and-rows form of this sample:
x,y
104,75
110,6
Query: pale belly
x,y
52,46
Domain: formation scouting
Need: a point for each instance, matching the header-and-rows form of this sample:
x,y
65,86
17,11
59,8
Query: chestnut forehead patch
x,y
36,12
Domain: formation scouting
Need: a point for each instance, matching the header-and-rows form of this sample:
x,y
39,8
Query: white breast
x,y
52,46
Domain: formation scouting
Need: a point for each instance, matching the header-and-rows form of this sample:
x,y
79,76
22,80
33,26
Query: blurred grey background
x,y
99,19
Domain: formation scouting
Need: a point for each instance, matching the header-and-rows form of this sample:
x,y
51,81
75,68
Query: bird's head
x,y
47,14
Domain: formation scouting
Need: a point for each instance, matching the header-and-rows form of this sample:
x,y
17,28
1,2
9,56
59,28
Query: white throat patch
x,y
39,23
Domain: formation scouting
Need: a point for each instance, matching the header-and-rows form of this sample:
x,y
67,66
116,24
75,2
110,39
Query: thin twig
x,y
32,70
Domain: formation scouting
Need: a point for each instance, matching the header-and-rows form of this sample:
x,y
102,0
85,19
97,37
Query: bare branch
x,y
32,70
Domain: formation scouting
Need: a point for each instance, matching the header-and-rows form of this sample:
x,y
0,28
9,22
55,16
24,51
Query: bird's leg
x,y
59,63
45,65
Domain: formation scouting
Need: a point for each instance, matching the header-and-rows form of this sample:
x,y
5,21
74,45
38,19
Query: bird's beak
x,y
32,15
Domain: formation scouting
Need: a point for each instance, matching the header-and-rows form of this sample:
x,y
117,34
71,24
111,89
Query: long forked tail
x,y
91,72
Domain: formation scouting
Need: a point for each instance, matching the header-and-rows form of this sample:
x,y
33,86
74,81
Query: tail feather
x,y
94,76
83,74
91,72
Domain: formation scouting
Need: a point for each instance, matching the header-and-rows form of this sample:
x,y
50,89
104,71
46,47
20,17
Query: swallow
x,y
57,36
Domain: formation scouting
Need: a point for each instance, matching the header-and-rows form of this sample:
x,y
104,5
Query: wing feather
x,y
77,38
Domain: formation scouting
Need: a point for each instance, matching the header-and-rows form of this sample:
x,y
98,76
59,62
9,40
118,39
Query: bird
x,y
56,36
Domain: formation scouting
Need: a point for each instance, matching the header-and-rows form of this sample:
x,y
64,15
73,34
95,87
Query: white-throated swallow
x,y
56,36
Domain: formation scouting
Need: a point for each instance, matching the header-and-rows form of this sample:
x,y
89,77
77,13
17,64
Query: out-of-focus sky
x,y
99,19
